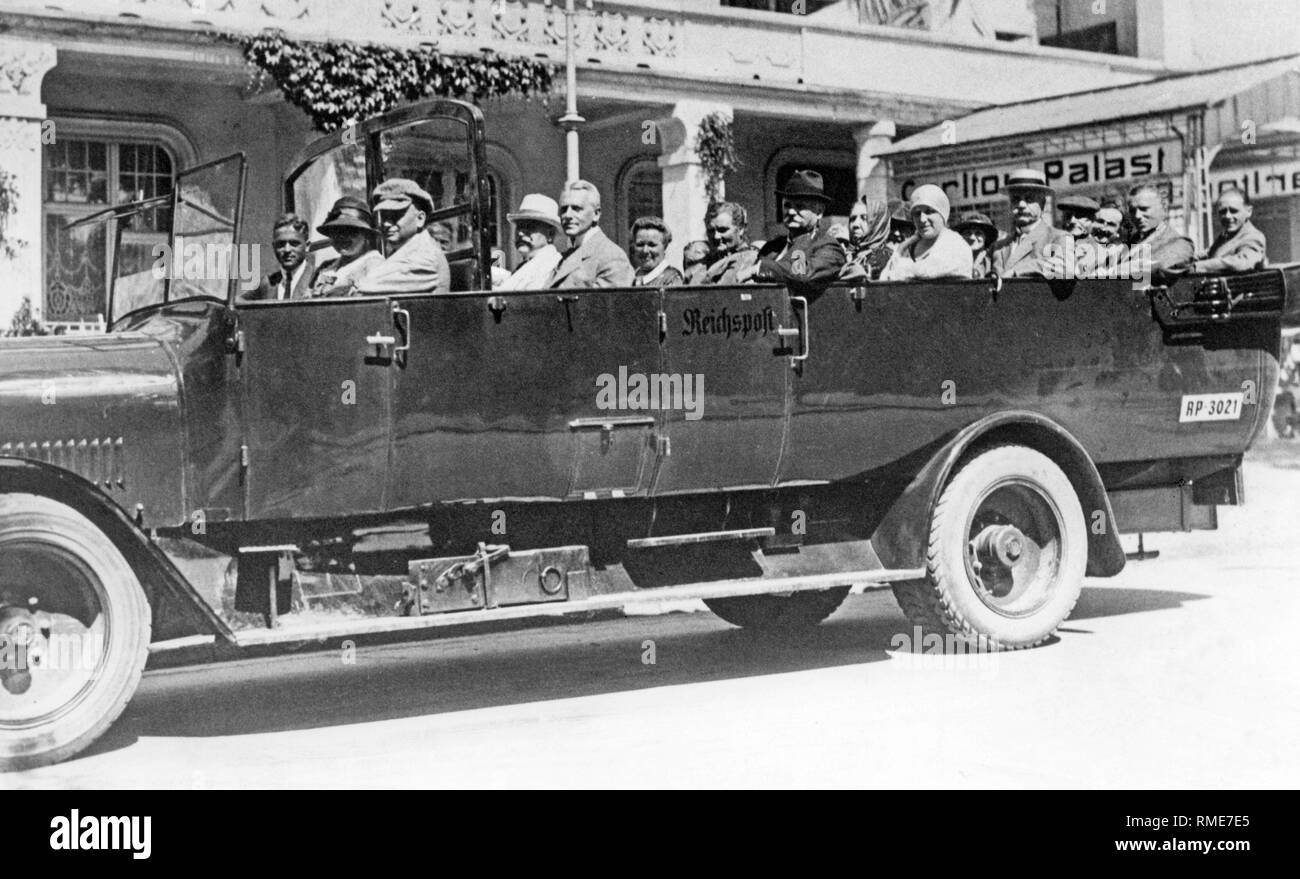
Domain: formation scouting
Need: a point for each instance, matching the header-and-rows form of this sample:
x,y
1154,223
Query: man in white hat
x,y
1020,254
415,261
536,223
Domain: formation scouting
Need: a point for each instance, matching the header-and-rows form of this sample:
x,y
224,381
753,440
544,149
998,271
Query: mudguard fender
x,y
178,610
901,537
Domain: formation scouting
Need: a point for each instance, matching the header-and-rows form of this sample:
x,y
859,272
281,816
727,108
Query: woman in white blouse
x,y
935,251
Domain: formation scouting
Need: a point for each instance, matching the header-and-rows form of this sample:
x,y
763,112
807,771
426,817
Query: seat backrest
x,y
462,274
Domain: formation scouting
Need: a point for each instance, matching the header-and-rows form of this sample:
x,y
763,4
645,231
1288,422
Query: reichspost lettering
x,y
697,322
77,832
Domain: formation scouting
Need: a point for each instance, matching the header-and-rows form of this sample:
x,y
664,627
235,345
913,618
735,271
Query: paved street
x,y
1181,672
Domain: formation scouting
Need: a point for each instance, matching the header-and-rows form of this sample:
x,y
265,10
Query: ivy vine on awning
x,y
339,82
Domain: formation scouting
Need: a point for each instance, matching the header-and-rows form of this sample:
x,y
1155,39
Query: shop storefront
x,y
1193,135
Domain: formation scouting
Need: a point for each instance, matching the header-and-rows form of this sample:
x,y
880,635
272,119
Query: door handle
x,y
406,329
800,332
381,339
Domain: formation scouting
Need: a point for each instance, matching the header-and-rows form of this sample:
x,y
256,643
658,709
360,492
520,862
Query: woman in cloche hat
x,y
350,228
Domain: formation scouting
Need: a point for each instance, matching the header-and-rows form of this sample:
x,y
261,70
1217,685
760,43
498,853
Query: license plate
x,y
1211,407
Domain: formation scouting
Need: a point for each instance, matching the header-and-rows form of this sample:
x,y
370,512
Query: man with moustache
x,y
1240,245
1021,253
536,223
808,258
592,260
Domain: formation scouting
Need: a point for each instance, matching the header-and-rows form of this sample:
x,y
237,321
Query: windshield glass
x,y
198,258
323,181
435,153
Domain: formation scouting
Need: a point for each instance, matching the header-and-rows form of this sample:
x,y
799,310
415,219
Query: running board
x,y
701,537
337,628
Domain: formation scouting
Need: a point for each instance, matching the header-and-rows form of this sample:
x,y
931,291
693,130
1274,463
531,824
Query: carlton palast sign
x,y
965,185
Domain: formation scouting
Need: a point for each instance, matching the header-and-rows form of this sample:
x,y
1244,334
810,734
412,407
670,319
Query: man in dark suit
x,y
808,258
1021,254
592,260
1240,246
1154,246
293,279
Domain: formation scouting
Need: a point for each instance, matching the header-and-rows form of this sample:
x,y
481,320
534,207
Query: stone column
x,y
23,64
685,194
872,172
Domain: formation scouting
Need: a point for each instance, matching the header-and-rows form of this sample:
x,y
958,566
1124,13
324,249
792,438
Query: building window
x,y
640,194
84,175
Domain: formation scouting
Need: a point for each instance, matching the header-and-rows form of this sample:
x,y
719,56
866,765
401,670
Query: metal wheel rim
x,y
1026,587
77,658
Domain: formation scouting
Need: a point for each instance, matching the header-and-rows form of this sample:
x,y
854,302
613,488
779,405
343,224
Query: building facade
x,y
102,103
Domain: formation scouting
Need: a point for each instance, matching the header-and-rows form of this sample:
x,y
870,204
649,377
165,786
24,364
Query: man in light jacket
x,y
1240,246
415,261
592,260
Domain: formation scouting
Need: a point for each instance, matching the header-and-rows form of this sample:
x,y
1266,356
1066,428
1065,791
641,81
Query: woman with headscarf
x,y
934,251
868,248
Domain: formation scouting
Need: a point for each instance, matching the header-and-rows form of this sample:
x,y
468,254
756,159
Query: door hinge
x,y
243,457
663,446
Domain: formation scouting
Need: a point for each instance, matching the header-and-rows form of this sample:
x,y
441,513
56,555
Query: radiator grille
x,y
99,460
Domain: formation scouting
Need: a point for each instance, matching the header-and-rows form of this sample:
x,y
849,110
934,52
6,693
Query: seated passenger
x,y
536,223
935,251
1240,245
980,235
900,223
732,252
1077,213
867,247
592,260
695,262
350,229
293,279
807,259
650,240
1020,254
1154,244
1099,255
441,233
415,262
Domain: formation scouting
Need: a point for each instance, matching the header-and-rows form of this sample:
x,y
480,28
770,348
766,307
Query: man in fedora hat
x,y
536,223
1020,254
808,258
592,260
350,228
981,234
415,261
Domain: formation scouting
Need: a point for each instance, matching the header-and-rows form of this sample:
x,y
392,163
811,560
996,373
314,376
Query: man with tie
x,y
293,279
1240,245
592,260
1021,254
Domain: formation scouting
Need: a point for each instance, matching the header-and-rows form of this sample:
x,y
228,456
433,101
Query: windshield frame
x,y
368,133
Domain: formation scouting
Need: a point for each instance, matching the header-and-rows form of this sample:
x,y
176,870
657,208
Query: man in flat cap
x,y
592,260
808,258
1077,212
1020,254
415,261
